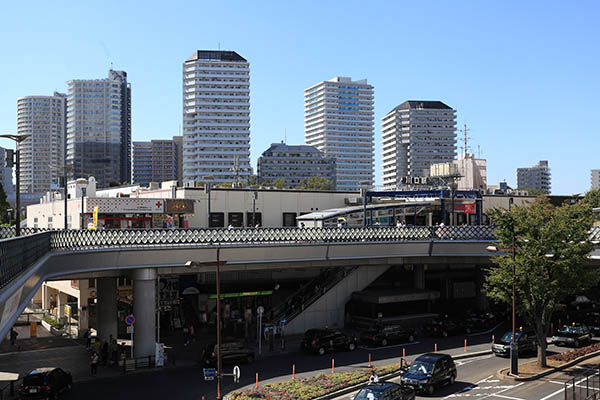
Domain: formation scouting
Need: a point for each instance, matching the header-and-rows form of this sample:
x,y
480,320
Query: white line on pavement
x,y
507,397
485,379
561,390
388,347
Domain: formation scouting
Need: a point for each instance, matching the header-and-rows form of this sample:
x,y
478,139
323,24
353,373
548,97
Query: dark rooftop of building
x,y
421,104
216,55
282,147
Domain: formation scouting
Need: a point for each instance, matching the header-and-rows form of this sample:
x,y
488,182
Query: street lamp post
x,y
218,284
514,346
18,139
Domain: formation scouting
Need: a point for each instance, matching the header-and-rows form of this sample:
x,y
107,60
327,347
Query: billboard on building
x,y
125,205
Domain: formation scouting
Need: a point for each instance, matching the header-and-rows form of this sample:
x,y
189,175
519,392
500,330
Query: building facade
x,y
99,129
536,177
216,117
415,135
338,121
595,177
179,143
154,161
293,164
42,154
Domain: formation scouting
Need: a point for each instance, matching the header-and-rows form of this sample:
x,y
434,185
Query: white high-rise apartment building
x,y
415,135
42,154
338,120
537,177
99,129
216,117
595,175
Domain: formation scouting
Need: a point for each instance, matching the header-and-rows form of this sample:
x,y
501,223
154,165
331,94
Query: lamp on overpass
x,y
217,264
18,139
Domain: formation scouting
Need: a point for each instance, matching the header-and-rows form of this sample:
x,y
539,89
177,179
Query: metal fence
x,y
584,386
86,239
17,254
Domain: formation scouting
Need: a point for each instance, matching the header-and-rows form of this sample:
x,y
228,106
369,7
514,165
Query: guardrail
x,y
17,254
91,239
584,386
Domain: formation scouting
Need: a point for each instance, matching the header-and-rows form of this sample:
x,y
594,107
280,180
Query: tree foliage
x,y
279,183
592,198
4,206
551,245
316,183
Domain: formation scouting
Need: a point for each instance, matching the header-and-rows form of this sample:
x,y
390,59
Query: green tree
x,y
279,183
551,245
253,181
316,183
592,198
4,206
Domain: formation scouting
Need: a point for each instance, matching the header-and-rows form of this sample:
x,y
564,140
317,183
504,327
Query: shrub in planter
x,y
54,323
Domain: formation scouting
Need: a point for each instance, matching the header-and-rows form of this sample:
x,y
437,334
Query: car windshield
x,y
421,368
33,380
368,394
570,329
507,338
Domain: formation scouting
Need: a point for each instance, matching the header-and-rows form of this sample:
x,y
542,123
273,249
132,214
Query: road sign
x,y
130,329
260,310
130,319
236,374
209,374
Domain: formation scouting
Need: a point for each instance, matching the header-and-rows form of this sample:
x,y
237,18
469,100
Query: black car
x,y
592,321
444,327
385,335
232,352
320,341
526,342
573,335
385,391
45,383
430,371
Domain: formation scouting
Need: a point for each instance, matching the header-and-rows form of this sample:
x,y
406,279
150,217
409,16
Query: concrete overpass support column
x,y
82,305
106,308
419,276
45,297
144,310
61,302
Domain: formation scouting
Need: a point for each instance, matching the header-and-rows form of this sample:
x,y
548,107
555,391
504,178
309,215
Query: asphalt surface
x,y
476,376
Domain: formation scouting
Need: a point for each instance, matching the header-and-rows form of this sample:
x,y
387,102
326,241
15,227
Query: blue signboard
x,y
209,373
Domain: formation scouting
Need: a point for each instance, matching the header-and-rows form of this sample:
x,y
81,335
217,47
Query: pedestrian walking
x,y
13,337
104,353
94,360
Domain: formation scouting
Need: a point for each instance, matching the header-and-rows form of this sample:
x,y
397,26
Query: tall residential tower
x,y
415,135
99,129
154,161
338,120
42,154
216,117
536,177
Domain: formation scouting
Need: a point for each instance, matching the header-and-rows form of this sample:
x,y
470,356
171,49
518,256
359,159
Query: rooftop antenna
x,y
285,136
478,151
465,147
219,46
111,65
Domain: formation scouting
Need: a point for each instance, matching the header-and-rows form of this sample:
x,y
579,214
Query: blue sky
x,y
523,75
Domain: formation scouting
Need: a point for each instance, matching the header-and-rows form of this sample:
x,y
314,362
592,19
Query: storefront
x,y
124,212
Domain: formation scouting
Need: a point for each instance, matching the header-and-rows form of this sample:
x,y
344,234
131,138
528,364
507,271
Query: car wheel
x,y
429,390
411,338
577,343
250,359
452,380
321,351
351,347
384,342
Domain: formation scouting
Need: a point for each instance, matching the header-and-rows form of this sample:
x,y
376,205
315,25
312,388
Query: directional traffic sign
x,y
130,319
209,374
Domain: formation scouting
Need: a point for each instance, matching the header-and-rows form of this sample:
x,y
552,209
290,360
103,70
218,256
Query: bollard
x,y
333,365
256,380
203,398
369,360
293,372
492,339
435,348
404,354
465,345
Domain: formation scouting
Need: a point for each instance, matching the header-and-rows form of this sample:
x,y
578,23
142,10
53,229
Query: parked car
x,y
45,383
385,391
429,371
592,321
526,342
321,341
231,352
385,335
573,335
446,326
480,322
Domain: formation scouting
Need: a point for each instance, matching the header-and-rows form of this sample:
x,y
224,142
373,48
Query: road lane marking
x,y
567,386
485,379
388,347
507,397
